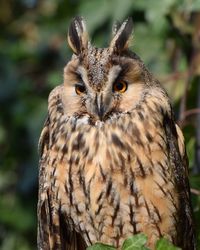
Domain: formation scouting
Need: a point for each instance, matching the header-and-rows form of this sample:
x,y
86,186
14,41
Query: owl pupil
x,y
119,86
79,88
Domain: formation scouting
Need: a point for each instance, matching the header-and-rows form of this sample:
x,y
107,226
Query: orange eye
x,y
120,86
80,89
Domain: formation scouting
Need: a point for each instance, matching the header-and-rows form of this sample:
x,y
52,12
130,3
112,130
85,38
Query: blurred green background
x,y
33,52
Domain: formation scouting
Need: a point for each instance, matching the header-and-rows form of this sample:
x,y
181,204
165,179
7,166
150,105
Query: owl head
x,y
100,82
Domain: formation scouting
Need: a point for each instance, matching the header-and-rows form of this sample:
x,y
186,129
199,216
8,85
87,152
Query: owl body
x,y
113,160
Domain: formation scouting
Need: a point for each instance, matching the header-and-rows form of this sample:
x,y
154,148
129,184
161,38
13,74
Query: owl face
x,y
98,82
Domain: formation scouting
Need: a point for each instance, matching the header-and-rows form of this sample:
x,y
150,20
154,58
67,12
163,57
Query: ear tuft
x,y
115,28
122,34
77,35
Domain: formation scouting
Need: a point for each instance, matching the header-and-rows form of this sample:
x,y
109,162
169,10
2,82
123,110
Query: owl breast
x,y
114,179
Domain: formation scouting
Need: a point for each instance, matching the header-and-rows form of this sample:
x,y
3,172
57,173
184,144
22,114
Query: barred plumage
x,y
113,161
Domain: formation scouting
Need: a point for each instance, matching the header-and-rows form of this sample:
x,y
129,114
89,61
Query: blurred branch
x,y
196,168
190,112
175,76
195,191
183,103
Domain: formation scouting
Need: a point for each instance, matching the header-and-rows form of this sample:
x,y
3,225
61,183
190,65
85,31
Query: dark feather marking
x,y
54,168
77,159
141,115
108,187
50,222
84,185
44,141
125,179
161,147
135,131
122,160
141,168
175,218
85,152
65,149
102,173
66,189
129,158
53,138
170,194
79,143
132,220
149,137
136,136
117,141
121,225
147,208
158,229
56,229
73,125
92,221
63,152
164,178
60,108
73,34
77,210
162,167
81,245
133,189
162,137
99,209
88,189
161,188
172,201
87,234
44,223
126,67
71,186
100,196
116,210
112,198
54,181
157,212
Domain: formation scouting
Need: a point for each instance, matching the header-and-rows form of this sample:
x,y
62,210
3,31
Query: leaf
x,y
100,246
136,242
164,244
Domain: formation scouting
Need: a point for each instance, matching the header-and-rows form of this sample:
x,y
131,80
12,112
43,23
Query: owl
x,y
112,159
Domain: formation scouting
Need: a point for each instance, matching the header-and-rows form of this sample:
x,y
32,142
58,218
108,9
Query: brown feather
x,y
107,175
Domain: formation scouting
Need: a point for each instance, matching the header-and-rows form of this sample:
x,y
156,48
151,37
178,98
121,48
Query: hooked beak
x,y
100,108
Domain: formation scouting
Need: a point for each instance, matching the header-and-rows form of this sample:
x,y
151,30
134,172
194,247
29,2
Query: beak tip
x,y
100,113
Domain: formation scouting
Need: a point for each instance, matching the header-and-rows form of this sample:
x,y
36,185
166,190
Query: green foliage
x,y
137,242
33,53
100,246
164,244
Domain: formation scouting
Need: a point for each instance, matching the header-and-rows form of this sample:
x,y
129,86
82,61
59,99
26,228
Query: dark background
x,y
33,52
